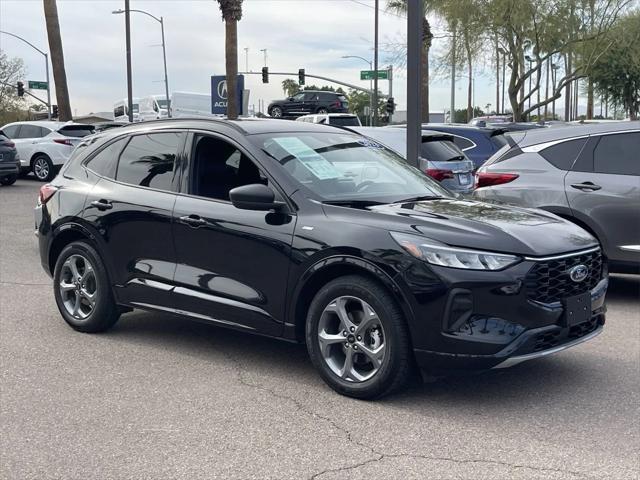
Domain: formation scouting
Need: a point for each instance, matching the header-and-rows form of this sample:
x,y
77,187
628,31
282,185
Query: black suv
x,y
309,101
317,235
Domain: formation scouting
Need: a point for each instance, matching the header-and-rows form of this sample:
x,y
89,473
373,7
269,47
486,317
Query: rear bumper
x,y
9,168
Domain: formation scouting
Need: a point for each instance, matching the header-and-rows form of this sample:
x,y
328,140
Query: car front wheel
x,y
358,339
82,289
276,112
322,110
43,168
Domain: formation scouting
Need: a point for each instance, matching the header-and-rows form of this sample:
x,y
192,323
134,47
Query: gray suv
x,y
587,174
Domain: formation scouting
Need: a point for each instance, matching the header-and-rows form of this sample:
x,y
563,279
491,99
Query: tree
x,y
231,14
543,29
290,87
11,71
400,6
616,74
57,59
358,100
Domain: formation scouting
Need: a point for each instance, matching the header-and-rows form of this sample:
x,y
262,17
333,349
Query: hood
x,y
478,225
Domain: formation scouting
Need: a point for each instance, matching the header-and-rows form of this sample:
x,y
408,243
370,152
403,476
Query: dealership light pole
x,y
164,52
414,79
375,63
46,64
368,62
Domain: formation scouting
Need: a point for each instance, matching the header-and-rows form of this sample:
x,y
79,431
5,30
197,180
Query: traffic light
x,y
301,76
390,107
20,89
54,113
265,74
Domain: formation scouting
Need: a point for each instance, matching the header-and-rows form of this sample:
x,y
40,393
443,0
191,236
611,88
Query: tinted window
x,y
562,155
118,111
499,141
327,96
10,132
148,160
308,97
462,142
440,151
104,163
77,131
219,167
618,154
298,97
32,131
345,121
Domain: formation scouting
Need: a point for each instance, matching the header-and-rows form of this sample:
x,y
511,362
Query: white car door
x,y
28,138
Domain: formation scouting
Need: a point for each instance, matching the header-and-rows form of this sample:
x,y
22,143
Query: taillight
x,y
46,192
63,141
486,179
8,144
439,174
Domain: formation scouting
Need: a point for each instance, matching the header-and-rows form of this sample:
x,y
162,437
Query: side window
x,y
30,131
618,154
310,97
218,167
463,143
561,155
12,131
105,161
148,160
44,131
118,111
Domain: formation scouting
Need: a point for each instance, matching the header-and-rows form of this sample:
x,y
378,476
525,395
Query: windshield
x,y
162,103
347,167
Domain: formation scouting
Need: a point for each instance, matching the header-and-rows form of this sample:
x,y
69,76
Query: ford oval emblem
x,y
579,273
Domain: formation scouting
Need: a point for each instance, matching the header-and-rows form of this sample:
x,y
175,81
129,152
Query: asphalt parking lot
x,y
158,397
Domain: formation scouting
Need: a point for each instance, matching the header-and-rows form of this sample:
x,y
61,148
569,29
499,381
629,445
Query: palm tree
x,y
231,14
290,87
400,6
57,59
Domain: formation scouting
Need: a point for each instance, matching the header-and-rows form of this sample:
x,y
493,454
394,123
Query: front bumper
x,y
502,325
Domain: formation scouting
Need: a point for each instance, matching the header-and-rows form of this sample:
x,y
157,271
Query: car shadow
x,y
552,381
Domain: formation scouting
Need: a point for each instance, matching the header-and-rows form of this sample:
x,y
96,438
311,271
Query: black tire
x,y
43,168
8,180
105,313
397,365
322,111
277,112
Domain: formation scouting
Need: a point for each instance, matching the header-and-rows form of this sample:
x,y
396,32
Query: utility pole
x,y
504,68
497,75
166,79
246,58
375,65
264,51
390,75
127,28
414,80
452,107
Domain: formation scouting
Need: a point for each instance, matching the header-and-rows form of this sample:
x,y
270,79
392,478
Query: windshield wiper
x,y
421,199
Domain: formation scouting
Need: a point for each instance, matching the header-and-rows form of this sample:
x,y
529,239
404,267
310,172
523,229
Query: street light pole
x,y
127,30
414,79
375,65
264,51
46,64
368,62
164,50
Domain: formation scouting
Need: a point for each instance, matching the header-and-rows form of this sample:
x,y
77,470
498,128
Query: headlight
x,y
437,253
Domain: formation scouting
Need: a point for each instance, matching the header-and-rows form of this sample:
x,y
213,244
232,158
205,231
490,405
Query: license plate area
x,y
577,309
464,178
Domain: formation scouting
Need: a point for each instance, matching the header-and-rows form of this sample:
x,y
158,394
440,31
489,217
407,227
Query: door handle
x,y
586,186
102,204
193,220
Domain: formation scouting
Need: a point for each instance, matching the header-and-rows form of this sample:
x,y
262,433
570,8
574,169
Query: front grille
x,y
549,281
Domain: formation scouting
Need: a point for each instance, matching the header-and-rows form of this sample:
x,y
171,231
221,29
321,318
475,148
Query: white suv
x,y
45,146
339,119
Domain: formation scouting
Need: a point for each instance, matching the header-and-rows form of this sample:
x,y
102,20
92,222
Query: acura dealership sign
x,y
219,94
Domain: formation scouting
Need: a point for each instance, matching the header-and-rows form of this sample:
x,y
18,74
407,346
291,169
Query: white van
x,y
121,112
186,104
153,107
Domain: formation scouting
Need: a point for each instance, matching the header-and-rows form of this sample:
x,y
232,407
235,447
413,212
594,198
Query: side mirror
x,y
254,197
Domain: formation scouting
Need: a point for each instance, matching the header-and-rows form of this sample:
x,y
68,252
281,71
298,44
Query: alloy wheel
x,y
41,168
352,339
78,286
276,112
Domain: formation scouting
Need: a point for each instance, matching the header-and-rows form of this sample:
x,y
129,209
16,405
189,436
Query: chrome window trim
x,y
541,146
564,255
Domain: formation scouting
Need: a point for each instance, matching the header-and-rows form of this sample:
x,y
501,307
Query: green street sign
x,y
33,85
370,74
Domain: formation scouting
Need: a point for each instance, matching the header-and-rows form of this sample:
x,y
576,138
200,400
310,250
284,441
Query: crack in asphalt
x,y
25,284
379,456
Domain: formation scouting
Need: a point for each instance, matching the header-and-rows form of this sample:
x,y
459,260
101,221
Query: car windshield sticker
x,y
366,142
315,163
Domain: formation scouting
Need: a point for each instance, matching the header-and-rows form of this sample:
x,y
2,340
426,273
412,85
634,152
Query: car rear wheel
x,y
357,338
322,110
276,112
8,180
82,289
43,168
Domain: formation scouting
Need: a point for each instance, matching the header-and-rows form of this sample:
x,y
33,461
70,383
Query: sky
x,y
310,34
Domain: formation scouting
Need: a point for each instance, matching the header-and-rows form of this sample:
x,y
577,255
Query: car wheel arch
x,y
569,215
328,269
36,155
69,233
